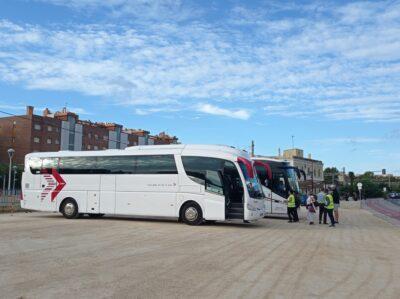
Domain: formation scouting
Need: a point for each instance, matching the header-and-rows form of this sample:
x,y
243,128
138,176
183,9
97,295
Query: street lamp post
x,y
15,168
10,155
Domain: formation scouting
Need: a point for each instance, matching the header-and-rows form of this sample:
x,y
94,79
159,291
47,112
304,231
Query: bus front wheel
x,y
69,209
192,214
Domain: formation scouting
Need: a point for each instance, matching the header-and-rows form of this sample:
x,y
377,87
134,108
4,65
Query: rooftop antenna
x,y
252,148
292,141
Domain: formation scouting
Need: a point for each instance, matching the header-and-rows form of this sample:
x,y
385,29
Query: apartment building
x,y
313,169
63,130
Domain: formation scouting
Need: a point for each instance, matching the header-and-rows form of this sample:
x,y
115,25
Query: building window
x,y
90,135
36,139
57,129
37,127
105,138
49,128
89,147
96,136
104,148
95,147
48,140
56,141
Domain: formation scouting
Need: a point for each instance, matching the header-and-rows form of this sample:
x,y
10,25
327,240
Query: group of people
x,y
326,201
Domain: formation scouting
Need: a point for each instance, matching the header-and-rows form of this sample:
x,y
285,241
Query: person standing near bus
x,y
336,203
311,210
329,208
291,208
321,200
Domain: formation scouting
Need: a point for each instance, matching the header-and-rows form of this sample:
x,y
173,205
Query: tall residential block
x,y
63,130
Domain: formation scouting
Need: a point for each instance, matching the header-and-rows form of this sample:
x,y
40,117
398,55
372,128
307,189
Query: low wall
x,y
10,204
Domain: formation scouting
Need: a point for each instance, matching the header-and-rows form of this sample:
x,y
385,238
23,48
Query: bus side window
x,y
214,182
205,171
35,165
48,164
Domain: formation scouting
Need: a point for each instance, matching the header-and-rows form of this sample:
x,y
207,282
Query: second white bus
x,y
194,183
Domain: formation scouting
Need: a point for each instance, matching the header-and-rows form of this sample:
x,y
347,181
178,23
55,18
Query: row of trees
x,y
373,185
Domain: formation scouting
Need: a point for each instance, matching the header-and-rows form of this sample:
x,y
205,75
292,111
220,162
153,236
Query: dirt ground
x,y
43,255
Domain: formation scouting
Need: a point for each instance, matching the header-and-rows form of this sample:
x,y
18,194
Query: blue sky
x,y
327,72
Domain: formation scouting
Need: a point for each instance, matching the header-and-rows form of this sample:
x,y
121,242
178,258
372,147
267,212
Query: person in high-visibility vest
x,y
291,208
329,208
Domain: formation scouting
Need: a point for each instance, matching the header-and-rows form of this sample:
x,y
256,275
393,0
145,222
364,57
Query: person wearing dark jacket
x,y
336,203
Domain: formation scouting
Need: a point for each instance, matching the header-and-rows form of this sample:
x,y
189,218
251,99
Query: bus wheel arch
x,y
191,213
69,208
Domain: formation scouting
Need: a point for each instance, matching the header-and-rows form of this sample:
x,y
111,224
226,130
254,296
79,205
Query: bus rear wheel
x,y
192,214
69,209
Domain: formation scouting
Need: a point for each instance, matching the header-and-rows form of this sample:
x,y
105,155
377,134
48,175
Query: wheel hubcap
x,y
191,214
69,209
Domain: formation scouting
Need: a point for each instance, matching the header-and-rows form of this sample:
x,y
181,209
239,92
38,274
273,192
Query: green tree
x,y
330,175
371,187
352,187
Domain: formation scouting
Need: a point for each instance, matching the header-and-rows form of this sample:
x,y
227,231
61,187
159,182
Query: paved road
x,y
386,208
45,256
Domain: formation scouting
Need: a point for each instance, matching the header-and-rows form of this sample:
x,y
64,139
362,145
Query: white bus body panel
x,y
142,195
274,204
107,194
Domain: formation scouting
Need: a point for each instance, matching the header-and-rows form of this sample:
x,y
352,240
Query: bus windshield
x,y
283,179
252,183
292,179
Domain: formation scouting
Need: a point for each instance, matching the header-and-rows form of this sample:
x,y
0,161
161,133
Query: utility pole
x,y
252,148
312,176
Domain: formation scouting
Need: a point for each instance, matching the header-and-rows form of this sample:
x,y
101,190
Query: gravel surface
x,y
43,255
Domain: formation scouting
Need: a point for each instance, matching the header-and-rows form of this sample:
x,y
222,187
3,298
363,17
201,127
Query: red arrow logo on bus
x,y
60,183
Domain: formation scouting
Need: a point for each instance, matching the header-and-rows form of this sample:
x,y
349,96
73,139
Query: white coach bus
x,y
277,178
193,183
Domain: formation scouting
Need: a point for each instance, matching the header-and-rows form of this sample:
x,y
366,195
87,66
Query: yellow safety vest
x,y
330,205
291,201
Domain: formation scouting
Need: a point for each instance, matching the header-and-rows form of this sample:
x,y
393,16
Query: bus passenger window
x,y
213,182
48,164
35,165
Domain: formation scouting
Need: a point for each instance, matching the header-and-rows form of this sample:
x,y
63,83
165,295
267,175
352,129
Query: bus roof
x,y
271,159
221,151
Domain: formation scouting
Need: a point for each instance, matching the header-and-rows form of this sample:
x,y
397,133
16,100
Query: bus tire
x,y
69,209
96,215
192,214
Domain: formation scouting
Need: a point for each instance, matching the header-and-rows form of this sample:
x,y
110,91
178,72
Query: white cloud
x,y
339,61
214,110
146,111
142,9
